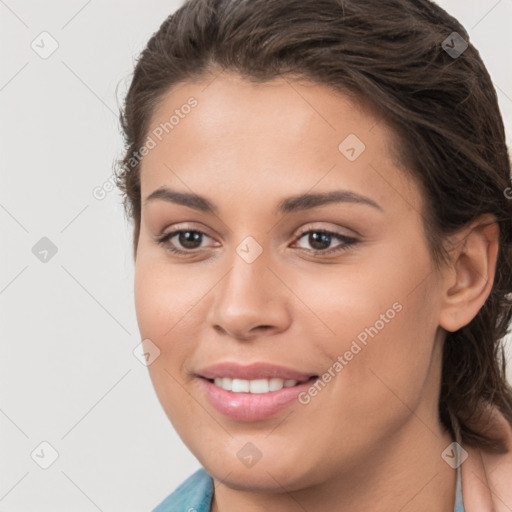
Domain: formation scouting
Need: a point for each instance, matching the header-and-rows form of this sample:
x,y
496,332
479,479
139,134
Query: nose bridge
x,y
248,279
249,296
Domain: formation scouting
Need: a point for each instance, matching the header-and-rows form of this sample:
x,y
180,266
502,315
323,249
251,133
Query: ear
x,y
469,277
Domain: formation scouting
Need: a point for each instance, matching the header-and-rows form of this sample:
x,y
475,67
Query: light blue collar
x,y
193,495
459,506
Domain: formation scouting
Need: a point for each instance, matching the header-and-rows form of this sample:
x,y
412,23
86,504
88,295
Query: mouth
x,y
256,386
253,400
252,392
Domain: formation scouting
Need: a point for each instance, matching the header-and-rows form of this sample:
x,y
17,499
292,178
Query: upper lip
x,y
259,370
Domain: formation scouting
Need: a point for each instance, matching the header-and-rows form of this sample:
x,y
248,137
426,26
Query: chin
x,y
265,475
262,479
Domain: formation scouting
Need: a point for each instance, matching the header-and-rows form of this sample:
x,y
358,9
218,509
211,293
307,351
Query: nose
x,y
250,301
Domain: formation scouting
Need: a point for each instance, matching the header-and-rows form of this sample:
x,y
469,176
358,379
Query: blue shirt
x,y
196,492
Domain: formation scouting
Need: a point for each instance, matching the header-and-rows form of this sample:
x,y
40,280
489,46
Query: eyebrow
x,y
291,204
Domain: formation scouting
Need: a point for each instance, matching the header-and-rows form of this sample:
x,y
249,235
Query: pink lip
x,y
252,371
252,406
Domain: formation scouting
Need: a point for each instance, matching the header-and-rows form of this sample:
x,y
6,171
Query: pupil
x,y
324,240
188,238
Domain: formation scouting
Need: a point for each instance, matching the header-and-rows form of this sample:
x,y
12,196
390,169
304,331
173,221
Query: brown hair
x,y
443,108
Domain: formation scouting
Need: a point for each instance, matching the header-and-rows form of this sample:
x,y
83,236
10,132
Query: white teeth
x,y
259,386
253,386
275,384
239,385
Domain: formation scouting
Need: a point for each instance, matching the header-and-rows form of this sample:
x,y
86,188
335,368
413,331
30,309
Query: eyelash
x,y
348,241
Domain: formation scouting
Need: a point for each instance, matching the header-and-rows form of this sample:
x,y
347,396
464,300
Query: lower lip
x,y
252,406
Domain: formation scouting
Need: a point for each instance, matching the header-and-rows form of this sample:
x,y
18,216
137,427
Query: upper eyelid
x,y
308,227
333,231
175,231
302,231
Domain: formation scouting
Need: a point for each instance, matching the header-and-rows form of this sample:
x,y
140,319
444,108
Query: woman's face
x,y
259,281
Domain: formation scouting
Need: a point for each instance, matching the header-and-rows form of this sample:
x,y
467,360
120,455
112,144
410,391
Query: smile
x,y
259,386
252,400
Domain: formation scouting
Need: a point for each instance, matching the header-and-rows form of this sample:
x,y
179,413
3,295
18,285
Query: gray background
x,y
68,327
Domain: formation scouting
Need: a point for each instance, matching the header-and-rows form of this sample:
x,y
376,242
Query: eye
x,y
189,239
321,239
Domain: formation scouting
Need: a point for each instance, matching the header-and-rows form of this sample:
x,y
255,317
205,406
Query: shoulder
x,y
487,475
194,495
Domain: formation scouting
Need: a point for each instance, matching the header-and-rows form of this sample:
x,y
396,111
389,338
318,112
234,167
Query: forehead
x,y
231,106
288,133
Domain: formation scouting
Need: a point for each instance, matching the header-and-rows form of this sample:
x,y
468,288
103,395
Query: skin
x,y
371,439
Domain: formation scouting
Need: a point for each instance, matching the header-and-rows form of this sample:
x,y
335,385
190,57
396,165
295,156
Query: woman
x,y
322,245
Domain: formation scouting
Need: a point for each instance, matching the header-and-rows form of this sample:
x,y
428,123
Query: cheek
x,y
158,309
164,297
162,314
170,307
380,382
383,317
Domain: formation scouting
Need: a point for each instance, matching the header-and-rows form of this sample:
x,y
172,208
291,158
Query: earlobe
x,y
471,273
